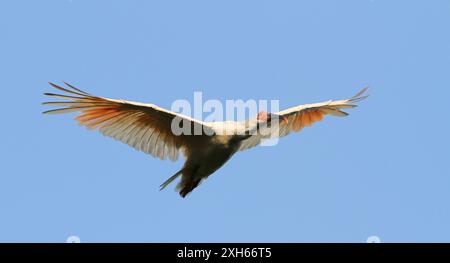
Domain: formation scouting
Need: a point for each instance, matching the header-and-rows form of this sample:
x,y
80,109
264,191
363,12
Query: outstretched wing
x,y
305,115
146,127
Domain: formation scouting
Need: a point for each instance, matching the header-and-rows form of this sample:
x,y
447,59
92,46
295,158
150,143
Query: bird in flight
x,y
149,128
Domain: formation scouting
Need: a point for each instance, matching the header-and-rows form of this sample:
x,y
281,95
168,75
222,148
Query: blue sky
x,y
381,171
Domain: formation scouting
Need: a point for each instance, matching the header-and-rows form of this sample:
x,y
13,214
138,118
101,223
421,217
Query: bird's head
x,y
266,117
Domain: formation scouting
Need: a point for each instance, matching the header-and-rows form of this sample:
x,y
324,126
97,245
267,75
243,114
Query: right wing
x,y
146,127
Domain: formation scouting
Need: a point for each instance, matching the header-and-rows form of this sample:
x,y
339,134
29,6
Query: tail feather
x,y
168,181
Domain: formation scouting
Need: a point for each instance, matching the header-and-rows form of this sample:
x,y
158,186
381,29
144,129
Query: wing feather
x,y
303,116
146,127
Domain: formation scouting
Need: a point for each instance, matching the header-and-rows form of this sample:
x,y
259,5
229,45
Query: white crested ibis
x,y
148,128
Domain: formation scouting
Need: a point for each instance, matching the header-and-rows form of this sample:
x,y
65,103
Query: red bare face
x,y
262,116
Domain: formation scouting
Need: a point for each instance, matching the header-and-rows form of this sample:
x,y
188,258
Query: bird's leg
x,y
189,187
189,180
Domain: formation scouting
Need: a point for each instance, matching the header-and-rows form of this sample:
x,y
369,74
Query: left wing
x,y
305,115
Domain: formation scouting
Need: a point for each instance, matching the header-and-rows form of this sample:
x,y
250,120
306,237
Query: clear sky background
x,y
382,171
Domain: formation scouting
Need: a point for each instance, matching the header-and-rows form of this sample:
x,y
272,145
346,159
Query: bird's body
x,y
150,129
205,160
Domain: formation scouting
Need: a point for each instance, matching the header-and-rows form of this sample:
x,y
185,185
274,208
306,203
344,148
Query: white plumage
x,y
148,128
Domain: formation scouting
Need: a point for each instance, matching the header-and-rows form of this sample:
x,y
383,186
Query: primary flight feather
x,y
149,128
